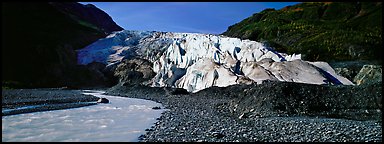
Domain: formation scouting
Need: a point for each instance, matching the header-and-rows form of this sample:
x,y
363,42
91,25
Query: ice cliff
x,y
196,61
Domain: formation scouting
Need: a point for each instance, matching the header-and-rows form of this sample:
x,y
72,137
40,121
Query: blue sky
x,y
200,17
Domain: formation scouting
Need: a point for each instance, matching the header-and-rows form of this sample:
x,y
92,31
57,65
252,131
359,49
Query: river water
x,y
121,120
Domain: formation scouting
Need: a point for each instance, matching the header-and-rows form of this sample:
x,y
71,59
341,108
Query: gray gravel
x,y
34,100
205,118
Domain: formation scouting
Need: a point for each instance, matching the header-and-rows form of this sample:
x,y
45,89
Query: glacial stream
x,y
121,120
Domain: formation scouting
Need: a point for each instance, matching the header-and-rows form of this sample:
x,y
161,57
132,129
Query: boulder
x,y
103,100
368,74
348,69
346,72
134,71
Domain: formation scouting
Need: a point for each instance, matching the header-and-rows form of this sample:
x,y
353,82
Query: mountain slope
x,y
39,42
88,15
326,31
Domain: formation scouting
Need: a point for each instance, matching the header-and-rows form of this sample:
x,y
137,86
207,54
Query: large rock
x,y
103,100
134,71
369,74
346,72
348,69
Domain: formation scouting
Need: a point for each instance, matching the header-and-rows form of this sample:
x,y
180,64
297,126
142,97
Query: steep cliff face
x,y
39,42
88,15
195,61
326,31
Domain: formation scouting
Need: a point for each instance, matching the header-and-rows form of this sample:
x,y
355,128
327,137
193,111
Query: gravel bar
x,y
201,117
17,101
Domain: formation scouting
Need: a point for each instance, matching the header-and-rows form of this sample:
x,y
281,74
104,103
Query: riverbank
x,y
274,113
121,120
17,101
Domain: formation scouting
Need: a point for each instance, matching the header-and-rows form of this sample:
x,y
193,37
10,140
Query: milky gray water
x,y
122,120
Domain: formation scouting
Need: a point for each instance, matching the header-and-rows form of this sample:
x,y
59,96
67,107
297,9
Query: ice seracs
x,y
196,61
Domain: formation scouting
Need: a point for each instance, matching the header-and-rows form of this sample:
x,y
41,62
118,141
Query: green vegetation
x,y
84,23
321,31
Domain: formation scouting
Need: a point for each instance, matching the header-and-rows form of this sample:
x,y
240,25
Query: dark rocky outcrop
x,y
348,69
39,42
359,72
369,74
135,71
298,99
275,98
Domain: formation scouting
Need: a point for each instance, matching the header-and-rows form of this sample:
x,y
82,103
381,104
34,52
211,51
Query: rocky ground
x,y
271,112
44,99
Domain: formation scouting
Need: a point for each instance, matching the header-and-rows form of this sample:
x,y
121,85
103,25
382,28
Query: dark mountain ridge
x,y
39,42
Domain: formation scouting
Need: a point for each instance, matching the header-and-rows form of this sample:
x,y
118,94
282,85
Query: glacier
x,y
195,61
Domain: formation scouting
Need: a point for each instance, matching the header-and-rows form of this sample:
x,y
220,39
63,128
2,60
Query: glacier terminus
x,y
195,61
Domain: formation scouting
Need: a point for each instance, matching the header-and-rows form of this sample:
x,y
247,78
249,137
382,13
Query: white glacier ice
x,y
196,61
